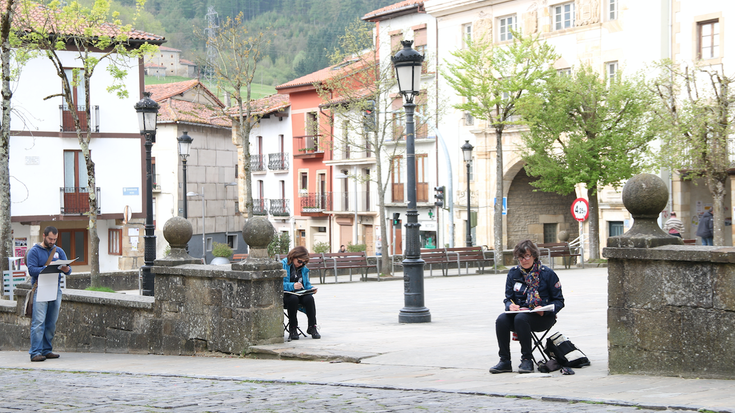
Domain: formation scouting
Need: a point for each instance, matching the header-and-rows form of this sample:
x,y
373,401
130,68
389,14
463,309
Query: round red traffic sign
x,y
580,209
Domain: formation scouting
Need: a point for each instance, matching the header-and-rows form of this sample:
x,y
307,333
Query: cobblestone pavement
x,y
51,391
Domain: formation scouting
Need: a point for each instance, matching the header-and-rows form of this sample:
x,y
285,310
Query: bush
x,y
221,250
356,247
279,245
321,247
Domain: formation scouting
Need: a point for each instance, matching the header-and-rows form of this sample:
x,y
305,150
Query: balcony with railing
x,y
315,203
345,201
259,206
308,147
278,161
75,200
257,163
66,123
279,207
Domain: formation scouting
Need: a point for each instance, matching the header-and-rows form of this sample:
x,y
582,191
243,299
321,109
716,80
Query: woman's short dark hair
x,y
524,247
297,252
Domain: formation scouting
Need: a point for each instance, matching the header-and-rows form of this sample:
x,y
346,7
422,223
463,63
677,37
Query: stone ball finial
x,y
563,236
258,232
177,231
645,196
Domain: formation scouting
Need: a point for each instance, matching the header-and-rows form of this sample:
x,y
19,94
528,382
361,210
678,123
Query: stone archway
x,y
528,211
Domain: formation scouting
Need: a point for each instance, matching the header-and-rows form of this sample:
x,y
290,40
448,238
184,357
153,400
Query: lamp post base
x,y
414,315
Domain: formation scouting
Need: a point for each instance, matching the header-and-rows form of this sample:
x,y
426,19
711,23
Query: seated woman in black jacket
x,y
528,285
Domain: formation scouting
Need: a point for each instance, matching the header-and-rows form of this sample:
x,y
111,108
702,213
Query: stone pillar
x,y
670,306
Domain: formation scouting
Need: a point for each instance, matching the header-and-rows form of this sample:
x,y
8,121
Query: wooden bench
x,y
316,263
349,261
239,257
434,256
471,254
558,249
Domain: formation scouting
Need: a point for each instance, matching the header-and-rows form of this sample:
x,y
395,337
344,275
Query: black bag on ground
x,y
565,352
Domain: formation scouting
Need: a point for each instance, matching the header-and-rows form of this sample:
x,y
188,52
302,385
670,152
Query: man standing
x,y
705,228
45,313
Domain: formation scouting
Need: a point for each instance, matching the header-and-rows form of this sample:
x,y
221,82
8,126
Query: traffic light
x,y
368,116
396,220
439,196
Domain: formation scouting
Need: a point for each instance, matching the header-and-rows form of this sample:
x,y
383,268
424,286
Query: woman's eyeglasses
x,y
525,257
302,262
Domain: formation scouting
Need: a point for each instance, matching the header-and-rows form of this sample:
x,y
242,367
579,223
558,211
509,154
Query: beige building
x,y
610,35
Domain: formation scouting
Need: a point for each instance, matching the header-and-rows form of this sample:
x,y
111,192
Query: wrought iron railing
x,y
278,161
66,123
316,202
279,207
257,163
75,200
259,207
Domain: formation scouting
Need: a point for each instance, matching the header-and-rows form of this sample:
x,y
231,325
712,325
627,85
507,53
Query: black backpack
x,y
565,352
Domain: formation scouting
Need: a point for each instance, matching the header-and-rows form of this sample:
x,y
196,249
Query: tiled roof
x,y
340,69
175,110
153,65
167,90
187,62
266,105
39,17
394,8
168,49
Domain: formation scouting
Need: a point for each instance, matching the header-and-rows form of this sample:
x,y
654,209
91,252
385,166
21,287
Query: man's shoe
x,y
502,367
294,334
52,356
526,366
314,334
38,357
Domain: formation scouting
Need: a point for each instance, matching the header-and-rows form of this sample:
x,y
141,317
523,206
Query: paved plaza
x,y
367,361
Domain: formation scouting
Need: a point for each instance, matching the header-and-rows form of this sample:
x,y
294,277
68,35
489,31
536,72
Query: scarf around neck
x,y
531,278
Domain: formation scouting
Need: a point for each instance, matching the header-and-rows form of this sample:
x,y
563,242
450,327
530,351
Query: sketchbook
x,y
302,292
53,267
549,307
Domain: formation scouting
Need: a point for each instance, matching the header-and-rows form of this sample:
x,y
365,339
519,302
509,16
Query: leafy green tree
x,y
493,79
237,53
586,129
54,31
695,110
6,50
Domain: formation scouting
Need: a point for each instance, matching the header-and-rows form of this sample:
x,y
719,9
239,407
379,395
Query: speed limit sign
x,y
580,209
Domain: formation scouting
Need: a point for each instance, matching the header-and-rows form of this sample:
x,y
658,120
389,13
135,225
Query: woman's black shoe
x,y
314,334
293,334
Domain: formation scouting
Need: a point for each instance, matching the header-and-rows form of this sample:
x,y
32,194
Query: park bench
x,y
469,255
558,249
349,261
436,256
239,257
316,263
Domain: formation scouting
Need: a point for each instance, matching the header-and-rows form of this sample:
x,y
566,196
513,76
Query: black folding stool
x,y
538,343
286,324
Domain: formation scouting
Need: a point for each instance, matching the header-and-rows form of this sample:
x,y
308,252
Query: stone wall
x,y
197,308
118,280
671,311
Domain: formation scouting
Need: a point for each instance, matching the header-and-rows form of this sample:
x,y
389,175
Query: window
x,y
565,72
312,124
114,241
74,243
466,34
76,194
549,233
469,120
419,44
507,24
232,241
209,243
612,9
422,187
346,139
611,69
76,82
709,39
563,15
615,228
304,181
397,184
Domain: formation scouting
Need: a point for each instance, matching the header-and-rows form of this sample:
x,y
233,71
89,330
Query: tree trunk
x,y
717,189
498,211
6,238
594,221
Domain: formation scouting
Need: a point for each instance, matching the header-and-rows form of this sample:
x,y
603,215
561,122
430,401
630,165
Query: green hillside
x,y
257,90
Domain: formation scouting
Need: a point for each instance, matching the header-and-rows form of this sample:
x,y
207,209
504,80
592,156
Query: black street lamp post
x,y
147,110
467,153
184,149
407,62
